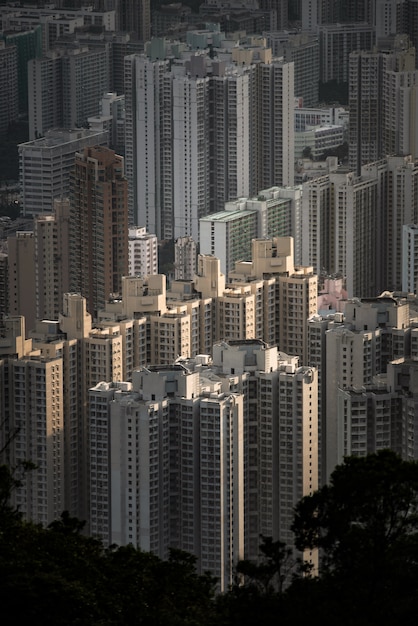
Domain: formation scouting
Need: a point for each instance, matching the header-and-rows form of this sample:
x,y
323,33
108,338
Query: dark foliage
x,y
364,523
56,576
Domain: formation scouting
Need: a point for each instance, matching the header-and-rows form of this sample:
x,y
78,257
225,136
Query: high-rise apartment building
x,y
110,350
229,233
171,180
336,42
162,472
280,440
22,278
289,292
36,420
391,18
350,351
28,42
272,156
135,16
343,212
382,96
143,252
185,258
303,50
45,165
4,284
99,226
400,131
65,87
279,12
9,105
398,189
412,24
213,130
32,408
340,219
317,12
410,258
52,275
167,475
111,118
382,415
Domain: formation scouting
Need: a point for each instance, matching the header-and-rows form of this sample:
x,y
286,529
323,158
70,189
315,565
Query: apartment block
x,y
22,277
65,88
340,219
4,284
185,258
45,166
175,480
135,16
195,162
397,178
9,106
410,258
303,50
382,415
143,252
350,350
229,233
382,83
36,420
294,296
32,407
99,226
336,42
111,118
280,434
51,258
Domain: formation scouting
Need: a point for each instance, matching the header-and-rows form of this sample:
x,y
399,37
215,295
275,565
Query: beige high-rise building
x,y
169,481
32,428
280,435
37,423
52,262
22,277
99,226
350,350
294,298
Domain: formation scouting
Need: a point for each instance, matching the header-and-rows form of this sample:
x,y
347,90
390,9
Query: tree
x,y
57,576
273,571
259,593
365,522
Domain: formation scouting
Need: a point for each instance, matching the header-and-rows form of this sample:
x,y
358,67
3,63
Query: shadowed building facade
x,y
99,226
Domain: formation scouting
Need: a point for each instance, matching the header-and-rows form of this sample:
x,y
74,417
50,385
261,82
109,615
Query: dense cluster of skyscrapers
x,y
194,408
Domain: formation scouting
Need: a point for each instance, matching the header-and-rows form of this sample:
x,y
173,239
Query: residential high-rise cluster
x,y
210,297
203,130
205,411
354,224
